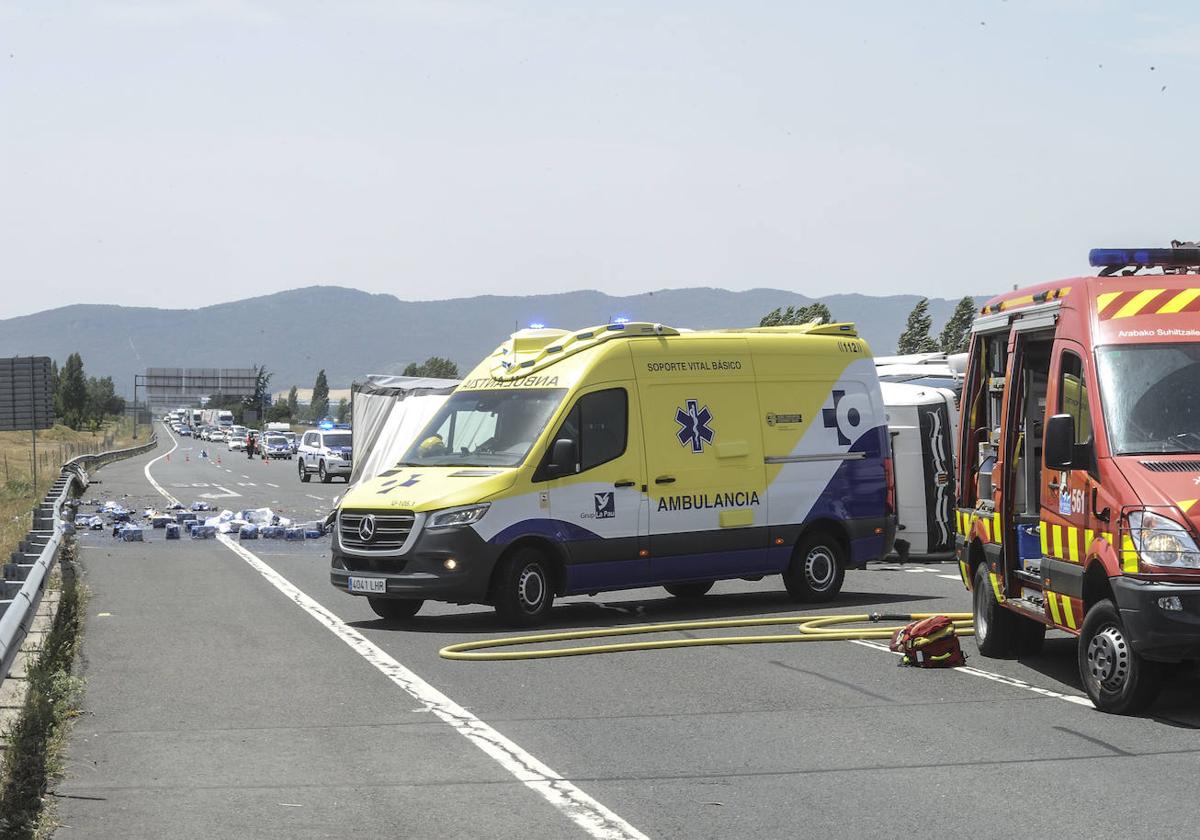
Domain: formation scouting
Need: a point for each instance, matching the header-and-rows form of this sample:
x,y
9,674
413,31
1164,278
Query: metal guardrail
x,y
29,567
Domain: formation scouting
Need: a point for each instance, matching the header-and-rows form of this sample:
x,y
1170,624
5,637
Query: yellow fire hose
x,y
813,628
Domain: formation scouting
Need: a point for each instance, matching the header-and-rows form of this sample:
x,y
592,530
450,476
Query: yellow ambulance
x,y
630,455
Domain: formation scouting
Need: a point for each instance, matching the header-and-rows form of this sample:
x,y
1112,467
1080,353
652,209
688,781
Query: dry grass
x,y
54,446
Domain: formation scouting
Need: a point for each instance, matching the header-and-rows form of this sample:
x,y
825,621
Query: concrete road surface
x,y
232,692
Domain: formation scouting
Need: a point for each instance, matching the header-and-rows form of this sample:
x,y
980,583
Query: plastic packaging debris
x,y
83,520
120,515
203,532
96,523
132,533
172,530
148,513
313,531
293,533
199,506
176,506
161,520
271,532
185,517
248,532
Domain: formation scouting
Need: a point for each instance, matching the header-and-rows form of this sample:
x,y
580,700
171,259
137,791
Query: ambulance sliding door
x,y
704,459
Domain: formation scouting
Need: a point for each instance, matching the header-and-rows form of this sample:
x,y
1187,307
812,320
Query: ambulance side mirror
x,y
1059,445
563,458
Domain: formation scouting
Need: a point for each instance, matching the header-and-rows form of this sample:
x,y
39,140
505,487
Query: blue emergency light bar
x,y
1114,259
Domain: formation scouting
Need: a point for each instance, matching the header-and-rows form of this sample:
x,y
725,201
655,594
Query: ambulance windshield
x,y
1151,395
484,428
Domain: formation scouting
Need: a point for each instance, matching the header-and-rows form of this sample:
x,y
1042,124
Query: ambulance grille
x,y
391,530
1172,466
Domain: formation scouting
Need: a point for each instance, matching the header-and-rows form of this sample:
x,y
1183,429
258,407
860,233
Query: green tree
x,y
435,367
343,410
320,396
102,399
73,392
956,335
916,338
793,315
293,404
55,384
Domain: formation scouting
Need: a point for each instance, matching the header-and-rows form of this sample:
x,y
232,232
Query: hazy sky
x,y
182,153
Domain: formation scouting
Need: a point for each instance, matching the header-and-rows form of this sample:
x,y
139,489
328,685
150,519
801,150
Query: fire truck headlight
x,y
1162,542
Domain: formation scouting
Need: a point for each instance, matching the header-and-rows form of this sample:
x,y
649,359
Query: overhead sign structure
x,y
26,394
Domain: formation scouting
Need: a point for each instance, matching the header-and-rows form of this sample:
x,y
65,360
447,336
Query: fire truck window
x,y
1073,396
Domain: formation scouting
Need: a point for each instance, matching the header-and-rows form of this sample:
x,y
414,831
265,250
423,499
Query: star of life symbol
x,y
693,423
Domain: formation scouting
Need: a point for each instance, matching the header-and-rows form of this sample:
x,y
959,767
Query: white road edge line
x,y
1077,699
593,817
149,464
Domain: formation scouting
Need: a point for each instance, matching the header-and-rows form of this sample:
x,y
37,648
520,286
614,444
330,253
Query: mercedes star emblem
x,y
366,528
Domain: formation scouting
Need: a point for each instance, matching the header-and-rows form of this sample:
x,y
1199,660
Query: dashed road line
x,y
1077,699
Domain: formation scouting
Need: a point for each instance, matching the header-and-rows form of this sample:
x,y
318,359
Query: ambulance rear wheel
x,y
993,624
524,589
395,609
697,589
817,569
1116,678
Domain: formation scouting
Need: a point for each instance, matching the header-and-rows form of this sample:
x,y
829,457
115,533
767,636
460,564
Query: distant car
x,y
237,443
185,431
325,452
277,446
293,440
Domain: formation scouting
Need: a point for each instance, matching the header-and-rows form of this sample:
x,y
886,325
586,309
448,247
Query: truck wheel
x,y
993,623
304,476
523,591
395,609
1117,678
817,569
322,474
697,589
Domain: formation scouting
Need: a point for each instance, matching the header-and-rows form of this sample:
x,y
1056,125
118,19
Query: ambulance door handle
x,y
1053,485
665,479
623,483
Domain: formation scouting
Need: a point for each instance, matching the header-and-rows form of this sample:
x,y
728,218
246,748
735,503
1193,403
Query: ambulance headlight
x,y
1162,542
457,517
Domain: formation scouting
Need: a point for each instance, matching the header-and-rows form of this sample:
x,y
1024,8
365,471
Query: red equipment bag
x,y
929,643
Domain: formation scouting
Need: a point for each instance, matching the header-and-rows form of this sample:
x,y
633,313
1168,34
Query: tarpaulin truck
x,y
1079,470
631,455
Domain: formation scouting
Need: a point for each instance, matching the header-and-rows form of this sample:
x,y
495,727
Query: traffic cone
x,y
218,459
187,457
168,457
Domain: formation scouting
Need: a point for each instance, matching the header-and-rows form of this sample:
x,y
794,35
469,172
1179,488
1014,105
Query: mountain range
x,y
351,333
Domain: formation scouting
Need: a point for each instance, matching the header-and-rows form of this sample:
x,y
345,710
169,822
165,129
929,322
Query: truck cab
x,y
1079,470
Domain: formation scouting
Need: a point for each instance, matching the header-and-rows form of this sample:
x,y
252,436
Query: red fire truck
x,y
1079,470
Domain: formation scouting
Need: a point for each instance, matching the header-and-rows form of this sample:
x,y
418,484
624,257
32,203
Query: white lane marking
x,y
311,496
589,814
228,494
245,476
1077,699
150,478
952,577
276,486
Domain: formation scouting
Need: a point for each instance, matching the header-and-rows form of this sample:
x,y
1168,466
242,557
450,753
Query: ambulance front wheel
x,y
1116,678
524,588
817,569
697,589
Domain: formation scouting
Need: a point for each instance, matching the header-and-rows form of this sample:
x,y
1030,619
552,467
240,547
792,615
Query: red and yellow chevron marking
x,y
1062,610
1066,542
1112,306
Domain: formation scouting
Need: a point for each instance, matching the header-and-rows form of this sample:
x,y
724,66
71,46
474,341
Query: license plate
x,y
358,584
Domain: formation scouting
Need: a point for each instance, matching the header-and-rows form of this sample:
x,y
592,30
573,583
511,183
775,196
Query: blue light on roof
x,y
326,425
620,319
536,326
1115,258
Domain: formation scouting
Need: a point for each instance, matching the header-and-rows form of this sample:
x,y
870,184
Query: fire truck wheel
x,y
993,624
817,569
1031,636
1118,679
